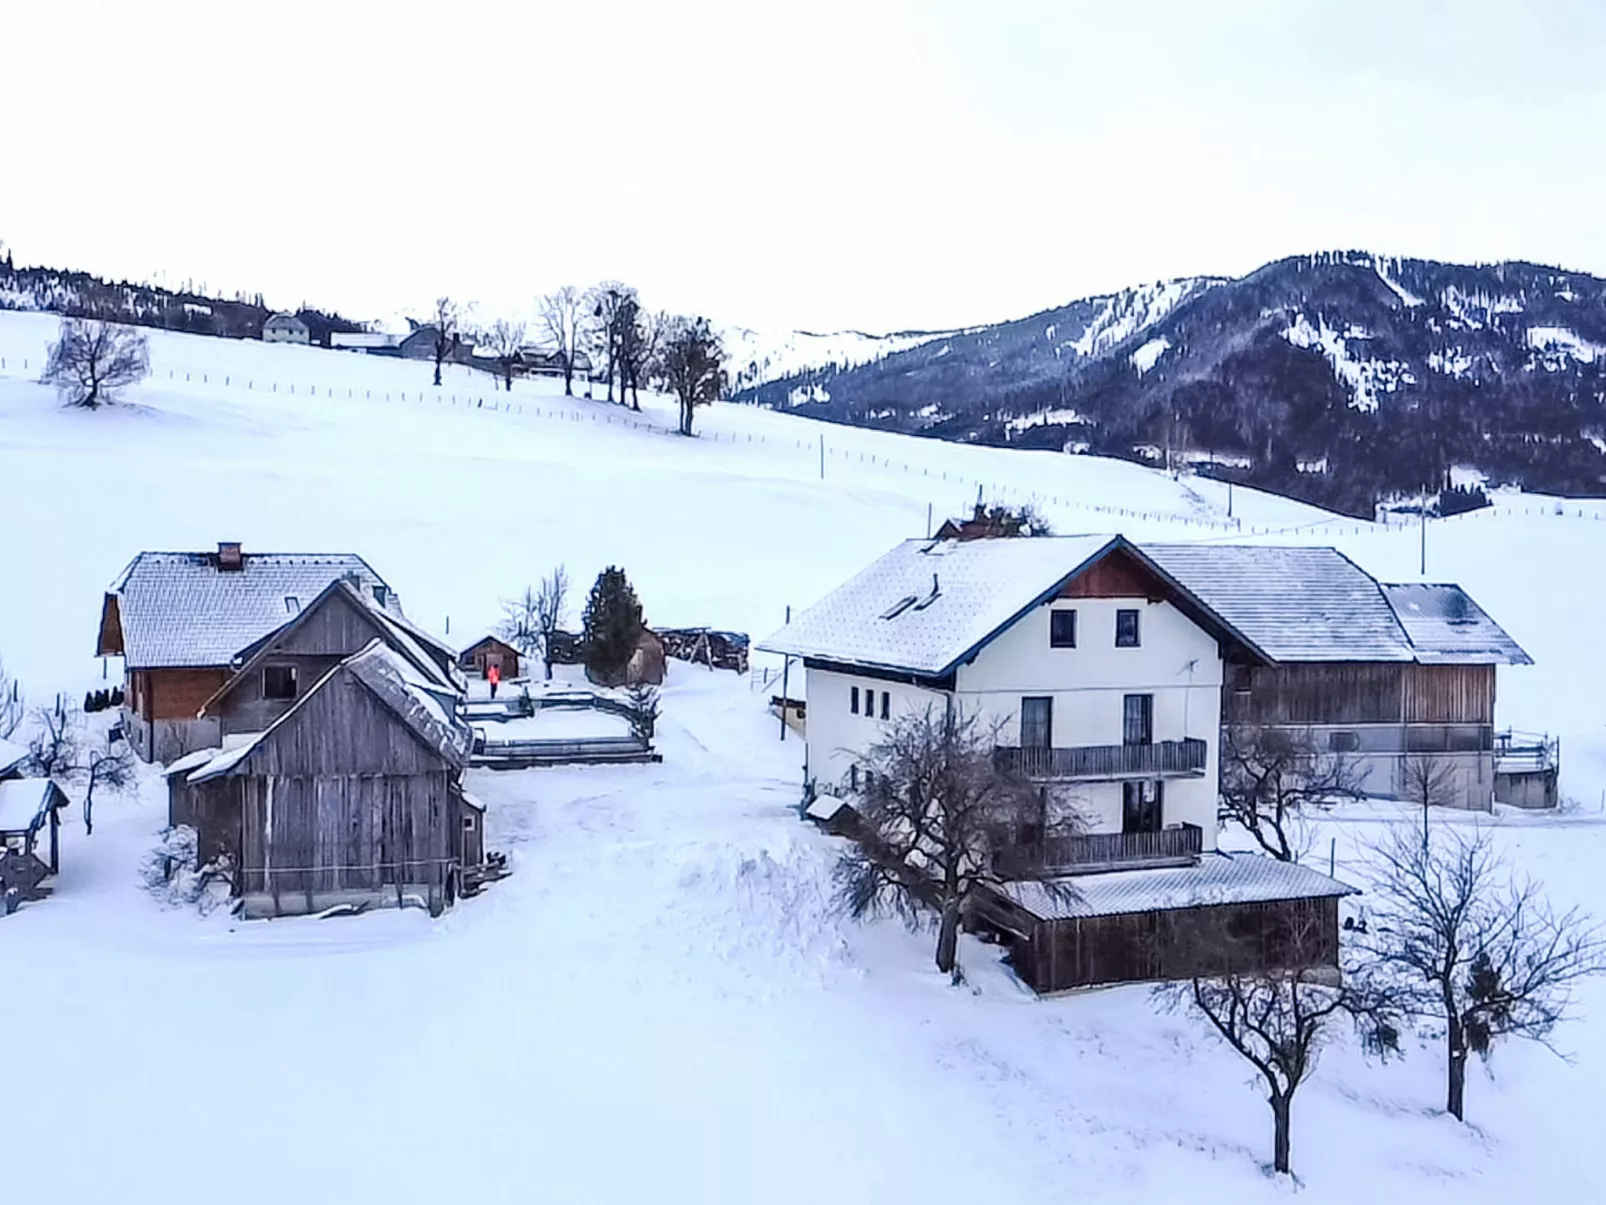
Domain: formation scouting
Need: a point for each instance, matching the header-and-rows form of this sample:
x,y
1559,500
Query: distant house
x,y
1115,672
486,652
371,343
285,328
179,619
419,344
352,797
542,362
30,820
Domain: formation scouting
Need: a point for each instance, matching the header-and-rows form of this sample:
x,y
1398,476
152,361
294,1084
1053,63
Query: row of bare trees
x,y
1454,941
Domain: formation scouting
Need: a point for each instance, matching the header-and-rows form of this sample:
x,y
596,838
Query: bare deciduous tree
x,y
13,707
447,321
551,602
1277,1020
606,303
1429,782
641,335
506,338
930,795
693,366
563,318
90,361
1469,945
1269,776
109,771
55,748
519,626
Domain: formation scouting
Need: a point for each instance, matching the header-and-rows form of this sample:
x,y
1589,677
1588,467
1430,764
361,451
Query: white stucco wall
x,y
1176,662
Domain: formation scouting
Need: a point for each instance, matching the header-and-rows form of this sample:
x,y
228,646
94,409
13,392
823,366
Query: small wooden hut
x,y
30,820
352,797
478,658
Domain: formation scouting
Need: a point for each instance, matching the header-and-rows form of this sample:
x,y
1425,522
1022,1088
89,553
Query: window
x,y
853,701
1137,720
886,705
468,822
1141,808
278,682
1037,723
1062,629
1126,629
1343,742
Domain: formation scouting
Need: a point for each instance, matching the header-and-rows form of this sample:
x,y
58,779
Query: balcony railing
x,y
1163,759
1086,853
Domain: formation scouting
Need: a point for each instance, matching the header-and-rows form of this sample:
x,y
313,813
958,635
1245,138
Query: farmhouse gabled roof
x,y
417,701
178,609
929,605
1218,879
1445,625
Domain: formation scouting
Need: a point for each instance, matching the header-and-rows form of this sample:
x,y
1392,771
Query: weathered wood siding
x,y
111,628
1315,693
337,628
177,694
212,809
1449,694
245,709
1178,944
345,799
1116,576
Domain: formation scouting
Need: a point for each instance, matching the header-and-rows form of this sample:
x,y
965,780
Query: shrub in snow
x,y
172,875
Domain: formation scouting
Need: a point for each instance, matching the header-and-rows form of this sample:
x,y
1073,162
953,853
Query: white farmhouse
x,y
285,328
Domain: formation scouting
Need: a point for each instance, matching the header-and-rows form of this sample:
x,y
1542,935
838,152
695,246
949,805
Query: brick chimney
x,y
230,557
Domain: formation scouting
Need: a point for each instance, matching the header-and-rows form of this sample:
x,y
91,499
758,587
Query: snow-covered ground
x,y
661,1003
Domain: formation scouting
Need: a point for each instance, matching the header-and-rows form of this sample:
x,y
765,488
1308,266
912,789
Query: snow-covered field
x,y
661,1003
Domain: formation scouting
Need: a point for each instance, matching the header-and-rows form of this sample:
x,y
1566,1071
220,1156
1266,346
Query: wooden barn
x,y
478,657
1225,913
352,797
179,620
270,675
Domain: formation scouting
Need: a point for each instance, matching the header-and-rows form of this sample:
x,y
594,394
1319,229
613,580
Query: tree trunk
x,y
1282,1109
568,376
1457,1095
948,937
437,371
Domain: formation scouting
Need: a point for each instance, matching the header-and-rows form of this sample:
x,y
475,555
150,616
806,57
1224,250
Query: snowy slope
x,y
760,356
662,1003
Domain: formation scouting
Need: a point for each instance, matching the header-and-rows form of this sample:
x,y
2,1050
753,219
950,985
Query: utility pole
x,y
1423,570
786,674
822,456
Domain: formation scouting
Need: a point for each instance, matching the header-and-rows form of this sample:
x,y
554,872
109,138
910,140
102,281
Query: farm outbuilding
x,y
30,820
352,797
480,656
285,328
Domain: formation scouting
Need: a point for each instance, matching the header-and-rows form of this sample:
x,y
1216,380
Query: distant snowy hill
x,y
758,357
1337,378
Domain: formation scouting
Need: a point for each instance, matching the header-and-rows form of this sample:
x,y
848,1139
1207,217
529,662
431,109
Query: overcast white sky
x,y
837,163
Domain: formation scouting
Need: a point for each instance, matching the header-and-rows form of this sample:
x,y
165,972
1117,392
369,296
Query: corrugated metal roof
x,y
927,603
1445,626
178,609
1295,604
1219,878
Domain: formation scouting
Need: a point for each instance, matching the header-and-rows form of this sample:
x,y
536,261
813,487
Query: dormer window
x,y
292,604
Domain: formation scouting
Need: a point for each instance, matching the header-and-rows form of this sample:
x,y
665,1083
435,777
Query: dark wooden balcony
x,y
1092,763
1088,853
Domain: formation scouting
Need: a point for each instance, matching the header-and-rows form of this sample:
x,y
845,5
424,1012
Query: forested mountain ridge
x,y
1339,378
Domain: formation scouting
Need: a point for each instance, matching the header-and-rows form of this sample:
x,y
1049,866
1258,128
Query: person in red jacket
x,y
493,675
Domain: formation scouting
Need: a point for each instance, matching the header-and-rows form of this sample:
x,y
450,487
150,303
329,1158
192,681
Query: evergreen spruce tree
x,y
613,627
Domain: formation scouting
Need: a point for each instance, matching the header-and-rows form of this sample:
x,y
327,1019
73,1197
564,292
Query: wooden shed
x,y
352,797
478,657
1228,913
30,820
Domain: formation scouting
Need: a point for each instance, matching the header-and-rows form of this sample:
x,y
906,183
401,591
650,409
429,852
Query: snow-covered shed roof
x,y
181,609
11,756
1445,625
284,321
416,700
1296,604
926,604
1218,878
26,802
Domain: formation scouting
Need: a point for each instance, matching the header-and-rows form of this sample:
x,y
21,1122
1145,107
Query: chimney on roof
x,y
230,557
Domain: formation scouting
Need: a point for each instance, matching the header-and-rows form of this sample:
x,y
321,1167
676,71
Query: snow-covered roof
x,y
24,803
285,321
1218,878
416,700
1295,604
825,806
926,604
1445,625
180,609
11,756
929,604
